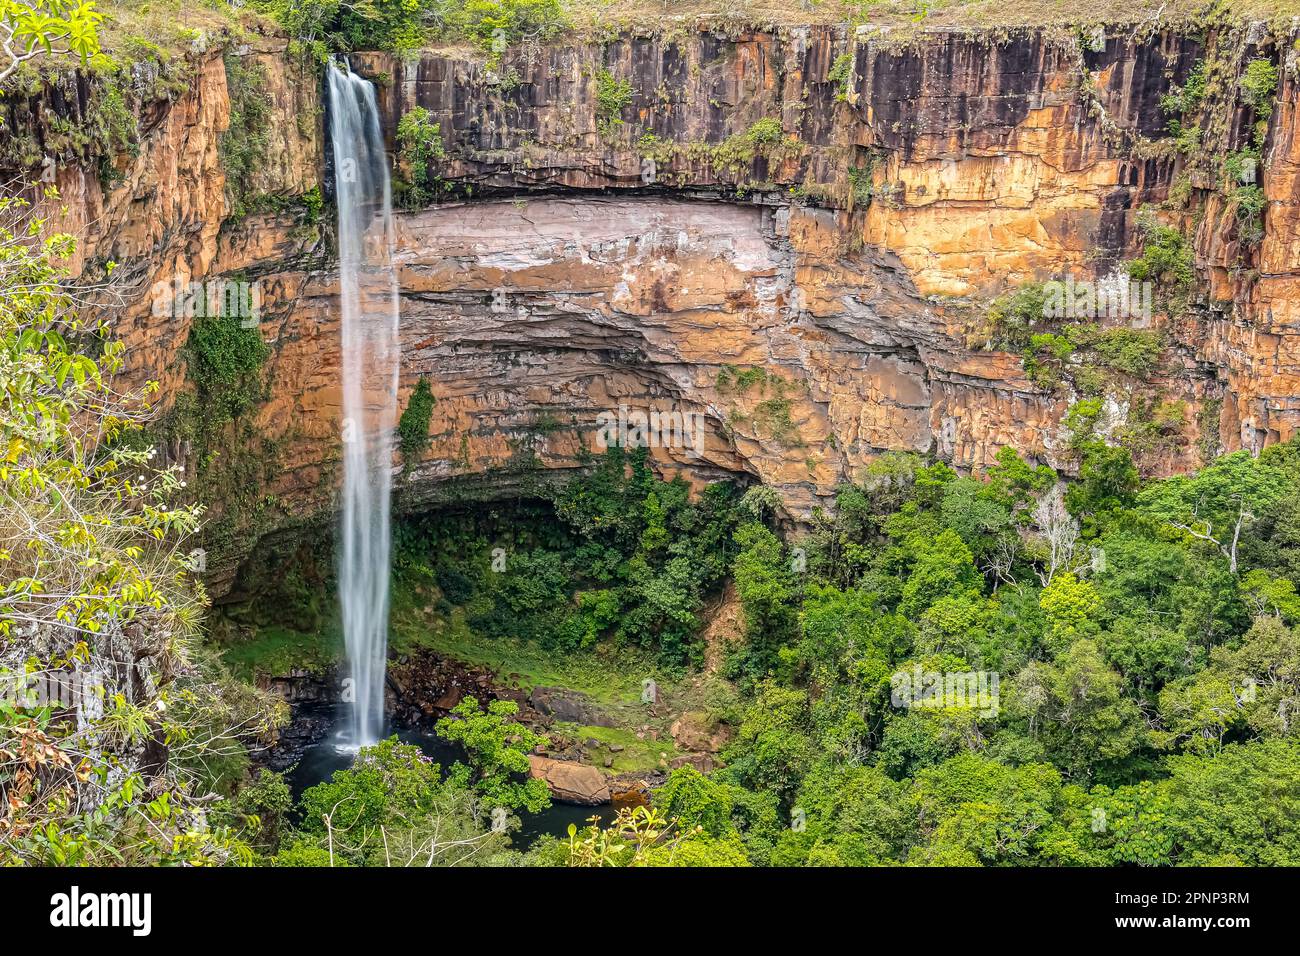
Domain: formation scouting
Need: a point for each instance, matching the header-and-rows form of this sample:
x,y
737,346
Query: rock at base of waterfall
x,y
568,706
570,782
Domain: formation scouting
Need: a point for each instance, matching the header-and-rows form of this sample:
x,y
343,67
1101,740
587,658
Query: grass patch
x,y
636,756
607,678
603,16
278,650
171,25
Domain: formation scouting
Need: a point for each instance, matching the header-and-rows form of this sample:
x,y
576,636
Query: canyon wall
x,y
811,292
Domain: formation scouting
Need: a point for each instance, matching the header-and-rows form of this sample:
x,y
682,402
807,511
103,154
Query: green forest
x,y
1141,631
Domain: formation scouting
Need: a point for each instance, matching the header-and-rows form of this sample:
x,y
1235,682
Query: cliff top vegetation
x,y
174,25
937,14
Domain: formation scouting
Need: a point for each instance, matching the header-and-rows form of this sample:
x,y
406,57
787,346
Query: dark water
x,y
555,820
331,754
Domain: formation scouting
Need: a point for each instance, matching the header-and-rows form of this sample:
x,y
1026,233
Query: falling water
x,y
368,293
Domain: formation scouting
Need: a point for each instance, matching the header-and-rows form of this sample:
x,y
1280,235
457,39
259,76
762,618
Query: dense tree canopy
x,y
1146,671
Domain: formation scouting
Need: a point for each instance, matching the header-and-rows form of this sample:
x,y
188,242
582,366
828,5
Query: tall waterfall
x,y
368,294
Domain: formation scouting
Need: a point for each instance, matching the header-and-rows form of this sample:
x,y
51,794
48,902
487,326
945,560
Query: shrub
x,y
1182,100
1248,202
765,133
689,799
763,138
226,364
1260,83
841,74
1166,259
612,97
1012,317
419,141
860,183
1236,165
1131,351
1179,104
413,426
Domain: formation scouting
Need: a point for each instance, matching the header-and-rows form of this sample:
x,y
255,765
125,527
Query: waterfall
x,y
368,300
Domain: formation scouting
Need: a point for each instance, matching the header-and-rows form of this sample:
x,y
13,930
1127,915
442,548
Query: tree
x,y
97,594
1250,690
699,851
962,624
944,566
497,750
31,28
1078,708
772,750
914,740
1240,807
843,629
1017,483
639,836
973,811
1072,607
693,800
1199,711
1127,826
392,807
1107,482
1220,501
263,806
980,515
852,816
766,587
1058,532
655,536
848,651
515,20
836,549
1267,594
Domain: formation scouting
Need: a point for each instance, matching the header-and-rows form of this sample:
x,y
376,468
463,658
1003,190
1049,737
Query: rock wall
x,y
653,248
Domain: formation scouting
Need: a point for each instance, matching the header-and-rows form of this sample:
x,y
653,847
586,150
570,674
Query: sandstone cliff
x,y
791,233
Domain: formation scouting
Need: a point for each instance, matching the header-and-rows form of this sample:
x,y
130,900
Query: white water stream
x,y
368,299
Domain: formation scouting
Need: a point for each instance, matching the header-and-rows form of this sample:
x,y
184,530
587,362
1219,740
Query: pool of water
x,y
334,752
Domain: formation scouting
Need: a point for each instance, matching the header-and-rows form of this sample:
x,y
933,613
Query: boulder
x,y
449,699
567,706
696,731
570,782
704,763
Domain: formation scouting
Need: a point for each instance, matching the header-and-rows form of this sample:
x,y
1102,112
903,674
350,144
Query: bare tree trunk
x,y
1236,536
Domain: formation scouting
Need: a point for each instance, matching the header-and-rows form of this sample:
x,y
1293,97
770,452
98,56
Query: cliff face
x,y
808,287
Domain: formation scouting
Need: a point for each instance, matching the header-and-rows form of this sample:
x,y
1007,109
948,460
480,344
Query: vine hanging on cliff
x,y
244,143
